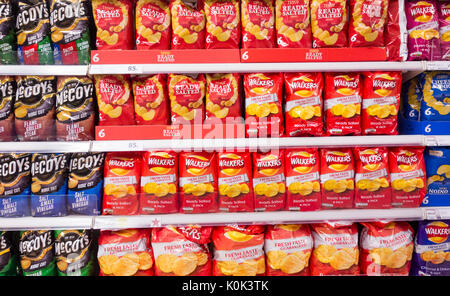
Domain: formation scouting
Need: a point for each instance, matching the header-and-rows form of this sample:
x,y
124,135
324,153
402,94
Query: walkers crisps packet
x,y
444,29
223,24
151,104
153,24
293,23
329,23
188,26
258,18
186,94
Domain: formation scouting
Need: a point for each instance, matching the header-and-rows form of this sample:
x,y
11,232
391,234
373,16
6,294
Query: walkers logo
x,y
345,85
269,165
423,11
370,159
437,232
121,166
302,162
231,164
260,84
337,160
197,165
304,86
407,160
384,84
161,163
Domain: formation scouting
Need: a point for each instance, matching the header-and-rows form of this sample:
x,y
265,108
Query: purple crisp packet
x,y
423,30
444,29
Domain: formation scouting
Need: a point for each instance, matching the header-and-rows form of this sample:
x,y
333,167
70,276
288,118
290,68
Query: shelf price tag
x,y
135,146
438,65
134,69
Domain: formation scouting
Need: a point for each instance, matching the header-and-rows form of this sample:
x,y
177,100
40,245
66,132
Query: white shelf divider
x,y
44,223
44,70
24,147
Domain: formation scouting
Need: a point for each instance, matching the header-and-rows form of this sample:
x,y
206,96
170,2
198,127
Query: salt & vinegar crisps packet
x,y
125,252
258,18
182,251
223,97
386,248
329,23
288,248
188,25
293,23
151,104
223,24
153,24
238,250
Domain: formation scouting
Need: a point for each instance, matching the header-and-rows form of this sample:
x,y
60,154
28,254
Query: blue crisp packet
x,y
15,179
85,183
437,162
435,105
49,184
432,249
412,97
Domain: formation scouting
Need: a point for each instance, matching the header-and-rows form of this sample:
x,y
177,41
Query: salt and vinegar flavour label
x,y
223,99
258,18
223,24
8,89
329,23
188,26
152,24
293,23
186,94
36,249
150,99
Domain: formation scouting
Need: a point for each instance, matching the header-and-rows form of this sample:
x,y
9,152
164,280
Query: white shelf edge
x,y
24,147
44,70
47,223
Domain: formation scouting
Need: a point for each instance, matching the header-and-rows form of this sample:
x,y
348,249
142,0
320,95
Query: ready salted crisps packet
x,y
258,19
381,101
269,180
303,180
159,183
8,256
8,88
342,103
198,182
386,248
303,109
329,22
238,250
152,24
186,94
335,249
113,19
412,99
372,178
121,183
8,45
151,104
288,248
125,252
182,251
223,24
235,182
263,104
435,104
437,161
432,249
408,176
36,249
337,172
188,25
293,23
223,97
444,29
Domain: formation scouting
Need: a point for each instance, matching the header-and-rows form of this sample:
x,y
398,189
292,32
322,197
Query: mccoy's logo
x,y
437,232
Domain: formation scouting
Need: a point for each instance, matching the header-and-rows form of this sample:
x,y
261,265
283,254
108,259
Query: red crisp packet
x,y
258,30
223,97
292,23
152,24
223,24
329,23
150,99
188,26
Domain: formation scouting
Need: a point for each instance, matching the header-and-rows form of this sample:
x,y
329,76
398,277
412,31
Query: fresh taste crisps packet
x,y
223,24
386,248
335,249
152,24
444,29
126,252
238,250
150,99
288,249
303,109
258,18
292,23
188,25
36,249
329,23
342,103
223,97
182,251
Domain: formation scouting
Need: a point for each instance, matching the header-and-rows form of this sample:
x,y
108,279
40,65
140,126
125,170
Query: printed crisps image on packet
x,y
186,94
293,23
36,249
8,258
153,24
8,88
444,29
258,23
435,104
182,251
85,183
188,25
223,97
151,105
223,24
412,99
8,44
329,23
437,161
69,20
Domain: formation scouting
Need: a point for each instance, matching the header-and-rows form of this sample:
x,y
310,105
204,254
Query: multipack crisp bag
x,y
367,23
342,103
303,109
159,183
303,180
386,248
395,32
37,254
412,99
8,45
153,24
288,248
8,89
408,176
8,258
432,249
293,23
444,29
188,25
235,182
198,182
269,180
335,249
372,178
125,252
182,251
329,22
337,172
258,19
238,250
223,24
151,104
113,19
437,161
121,183
223,97
435,104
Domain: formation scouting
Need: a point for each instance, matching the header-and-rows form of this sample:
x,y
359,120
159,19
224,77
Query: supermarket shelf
x,y
44,70
437,140
50,223
438,65
45,146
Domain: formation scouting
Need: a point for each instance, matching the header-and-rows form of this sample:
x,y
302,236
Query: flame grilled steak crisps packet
x,y
342,103
152,24
198,182
8,44
75,109
113,19
288,249
85,182
150,100
74,252
329,23
223,24
69,21
223,97
182,251
126,252
186,95
258,18
36,248
8,90
159,182
8,259
303,180
188,26
235,182
121,183
336,177
293,23
435,104
34,108
335,249
386,248
444,29
238,250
